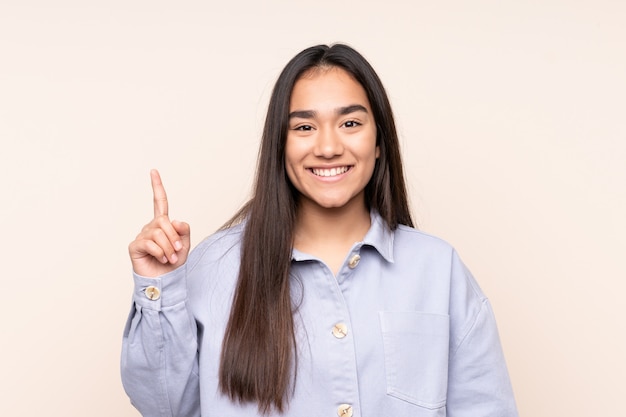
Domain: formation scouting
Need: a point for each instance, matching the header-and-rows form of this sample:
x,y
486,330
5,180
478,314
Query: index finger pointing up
x,y
160,198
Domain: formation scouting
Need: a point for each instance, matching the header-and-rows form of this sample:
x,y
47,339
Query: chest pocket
x,y
416,356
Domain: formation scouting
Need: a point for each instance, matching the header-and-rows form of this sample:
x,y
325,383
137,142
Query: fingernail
x,y
164,260
174,258
178,245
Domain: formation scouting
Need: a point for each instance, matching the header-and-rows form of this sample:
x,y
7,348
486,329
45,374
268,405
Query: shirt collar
x,y
379,236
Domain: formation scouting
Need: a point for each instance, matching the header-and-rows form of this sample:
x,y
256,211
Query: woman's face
x,y
331,140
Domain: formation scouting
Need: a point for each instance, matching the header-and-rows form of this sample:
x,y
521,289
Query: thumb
x,y
184,231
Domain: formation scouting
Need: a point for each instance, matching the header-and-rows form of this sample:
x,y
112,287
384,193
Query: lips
x,y
330,172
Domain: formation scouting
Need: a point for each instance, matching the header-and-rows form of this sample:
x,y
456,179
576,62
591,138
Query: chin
x,y
333,204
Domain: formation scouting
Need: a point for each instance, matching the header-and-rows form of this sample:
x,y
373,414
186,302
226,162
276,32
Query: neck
x,y
317,227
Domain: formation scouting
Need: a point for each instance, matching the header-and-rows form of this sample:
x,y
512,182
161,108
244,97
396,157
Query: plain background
x,y
512,117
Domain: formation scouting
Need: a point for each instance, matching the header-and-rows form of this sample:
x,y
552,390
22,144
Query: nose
x,y
328,143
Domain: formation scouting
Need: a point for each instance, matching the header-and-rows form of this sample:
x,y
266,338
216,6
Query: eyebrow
x,y
341,111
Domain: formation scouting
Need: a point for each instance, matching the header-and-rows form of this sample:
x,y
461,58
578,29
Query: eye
x,y
303,128
351,123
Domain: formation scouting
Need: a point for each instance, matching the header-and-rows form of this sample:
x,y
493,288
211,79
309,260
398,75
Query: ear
x,y
377,151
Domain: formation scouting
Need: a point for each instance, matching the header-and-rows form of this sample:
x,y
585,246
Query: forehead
x,y
324,87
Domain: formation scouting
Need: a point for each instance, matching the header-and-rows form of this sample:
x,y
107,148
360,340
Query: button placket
x,y
340,357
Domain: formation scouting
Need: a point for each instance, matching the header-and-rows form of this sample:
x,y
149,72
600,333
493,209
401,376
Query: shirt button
x,y
344,410
354,261
153,293
340,330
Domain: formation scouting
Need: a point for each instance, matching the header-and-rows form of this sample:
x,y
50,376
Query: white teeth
x,y
329,172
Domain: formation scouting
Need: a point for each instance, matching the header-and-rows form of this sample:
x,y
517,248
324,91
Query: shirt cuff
x,y
162,291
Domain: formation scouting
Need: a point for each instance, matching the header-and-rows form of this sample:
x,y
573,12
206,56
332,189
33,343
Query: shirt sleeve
x,y
159,364
478,380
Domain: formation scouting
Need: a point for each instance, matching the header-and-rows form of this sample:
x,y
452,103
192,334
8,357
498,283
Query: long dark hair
x,y
258,353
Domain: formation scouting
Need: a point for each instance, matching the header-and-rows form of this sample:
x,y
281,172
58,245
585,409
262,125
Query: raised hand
x,y
162,245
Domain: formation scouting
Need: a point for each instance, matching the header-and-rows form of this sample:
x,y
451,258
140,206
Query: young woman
x,y
318,298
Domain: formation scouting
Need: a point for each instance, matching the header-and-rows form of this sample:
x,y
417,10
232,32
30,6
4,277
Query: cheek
x,y
289,155
290,164
291,175
295,152
293,179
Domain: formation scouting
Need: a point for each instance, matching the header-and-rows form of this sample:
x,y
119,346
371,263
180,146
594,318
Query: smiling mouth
x,y
330,172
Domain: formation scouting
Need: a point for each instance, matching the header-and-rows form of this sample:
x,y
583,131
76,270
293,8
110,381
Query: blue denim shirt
x,y
403,330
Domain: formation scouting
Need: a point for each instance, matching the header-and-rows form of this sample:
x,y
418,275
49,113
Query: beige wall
x,y
512,119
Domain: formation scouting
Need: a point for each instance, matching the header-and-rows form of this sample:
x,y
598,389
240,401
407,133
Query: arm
x,y
478,380
159,351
